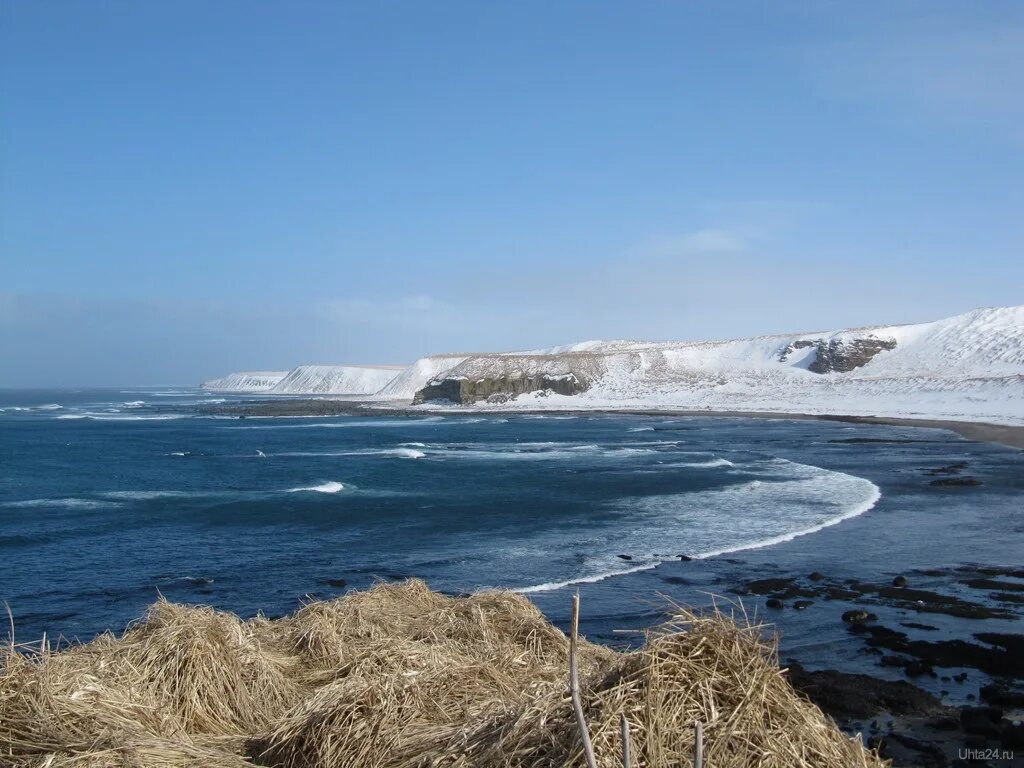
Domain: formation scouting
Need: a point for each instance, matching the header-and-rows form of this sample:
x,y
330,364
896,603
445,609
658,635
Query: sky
x,y
191,188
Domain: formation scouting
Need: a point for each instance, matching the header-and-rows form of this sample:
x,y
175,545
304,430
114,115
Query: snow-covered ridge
x,y
246,381
966,367
336,379
412,379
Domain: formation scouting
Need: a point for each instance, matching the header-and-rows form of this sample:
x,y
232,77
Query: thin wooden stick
x,y
10,617
574,684
698,745
625,742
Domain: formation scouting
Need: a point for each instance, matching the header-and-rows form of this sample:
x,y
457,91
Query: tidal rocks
x,y
1001,694
956,482
774,602
801,604
627,558
899,581
858,616
336,583
1003,658
860,696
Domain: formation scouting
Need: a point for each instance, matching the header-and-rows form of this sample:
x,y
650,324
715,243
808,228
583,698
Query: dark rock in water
x,y
1007,597
774,602
816,576
983,721
915,625
1012,736
1012,643
956,481
1004,586
338,583
860,696
838,593
801,604
1006,660
950,469
899,581
625,557
1001,694
944,723
858,616
767,586
685,558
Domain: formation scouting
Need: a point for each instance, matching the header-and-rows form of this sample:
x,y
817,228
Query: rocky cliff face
x,y
501,389
837,355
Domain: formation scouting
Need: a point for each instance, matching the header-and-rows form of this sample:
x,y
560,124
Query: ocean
x,y
111,498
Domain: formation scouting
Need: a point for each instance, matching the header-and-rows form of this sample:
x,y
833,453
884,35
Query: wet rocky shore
x,y
975,718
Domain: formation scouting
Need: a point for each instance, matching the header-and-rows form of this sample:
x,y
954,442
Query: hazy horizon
x,y
194,190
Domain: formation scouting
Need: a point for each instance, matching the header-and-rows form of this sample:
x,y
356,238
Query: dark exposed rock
x,y
983,721
1012,736
1001,694
801,604
459,389
899,581
1005,586
950,469
858,616
685,558
767,586
1007,597
951,653
838,356
847,695
917,625
956,482
337,583
816,576
625,557
774,602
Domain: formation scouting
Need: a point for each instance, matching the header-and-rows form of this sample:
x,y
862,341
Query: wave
x,y
640,429
123,417
715,462
69,503
134,403
331,486
380,422
787,501
147,495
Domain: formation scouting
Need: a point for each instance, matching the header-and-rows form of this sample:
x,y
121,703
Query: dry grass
x,y
403,677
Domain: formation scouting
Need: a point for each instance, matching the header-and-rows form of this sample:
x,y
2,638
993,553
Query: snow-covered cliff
x,y
966,367
336,379
245,381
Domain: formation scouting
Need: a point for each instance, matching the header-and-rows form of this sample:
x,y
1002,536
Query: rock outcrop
x,y
838,355
465,391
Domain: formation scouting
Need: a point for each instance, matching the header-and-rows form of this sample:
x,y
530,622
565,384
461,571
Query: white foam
x,y
147,495
789,500
63,502
330,486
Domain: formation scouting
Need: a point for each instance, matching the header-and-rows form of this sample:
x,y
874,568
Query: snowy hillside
x,y
966,367
246,381
412,379
336,379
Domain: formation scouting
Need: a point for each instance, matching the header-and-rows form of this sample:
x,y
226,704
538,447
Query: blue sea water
x,y
111,497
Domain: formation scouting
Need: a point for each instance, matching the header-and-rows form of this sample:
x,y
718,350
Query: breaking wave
x,y
788,500
331,486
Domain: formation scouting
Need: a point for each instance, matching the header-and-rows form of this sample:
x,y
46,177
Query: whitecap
x,y
330,486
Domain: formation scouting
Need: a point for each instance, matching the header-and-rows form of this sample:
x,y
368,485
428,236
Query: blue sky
x,y
191,188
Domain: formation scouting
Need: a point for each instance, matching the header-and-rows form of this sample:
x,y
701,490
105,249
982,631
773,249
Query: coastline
x,y
1008,435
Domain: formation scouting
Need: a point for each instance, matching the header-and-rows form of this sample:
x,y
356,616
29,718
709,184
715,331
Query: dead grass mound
x,y
400,676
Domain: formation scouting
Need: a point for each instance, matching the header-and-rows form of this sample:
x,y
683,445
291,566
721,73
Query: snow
x,y
246,381
969,367
415,377
336,379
